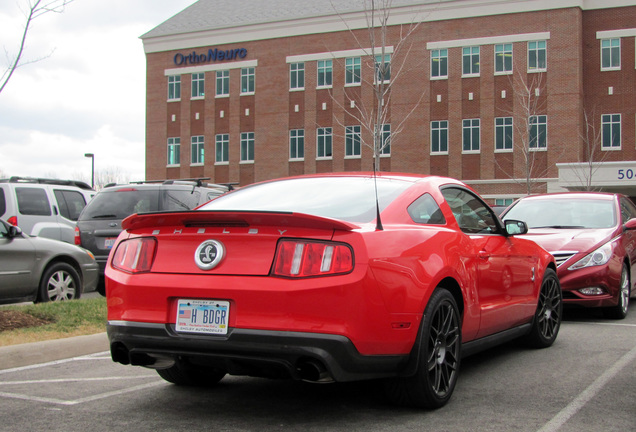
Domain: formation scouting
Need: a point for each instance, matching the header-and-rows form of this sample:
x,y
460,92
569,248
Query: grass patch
x,y
66,319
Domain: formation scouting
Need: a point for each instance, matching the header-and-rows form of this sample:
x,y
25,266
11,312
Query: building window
x,y
174,87
352,71
223,83
222,148
503,134
353,141
439,63
324,143
470,136
197,149
439,137
538,132
385,141
198,85
297,144
537,59
247,147
504,202
247,80
297,76
503,58
610,54
383,68
325,73
470,61
174,151
611,131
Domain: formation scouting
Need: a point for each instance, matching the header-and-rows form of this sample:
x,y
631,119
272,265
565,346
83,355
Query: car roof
x,y
573,195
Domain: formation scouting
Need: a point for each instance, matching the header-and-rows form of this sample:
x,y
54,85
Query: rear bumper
x,y
278,354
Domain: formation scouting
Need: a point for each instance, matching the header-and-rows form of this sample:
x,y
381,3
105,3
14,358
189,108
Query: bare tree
x,y
34,9
386,55
110,175
593,156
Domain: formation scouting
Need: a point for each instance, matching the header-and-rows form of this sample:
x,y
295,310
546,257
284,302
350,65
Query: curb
x,y
27,354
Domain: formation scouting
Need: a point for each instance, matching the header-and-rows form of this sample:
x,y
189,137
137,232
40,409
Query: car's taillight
x,y
135,255
302,258
77,239
13,220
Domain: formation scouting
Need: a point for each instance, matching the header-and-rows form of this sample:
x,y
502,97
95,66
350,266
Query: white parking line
x,y
82,400
588,394
68,380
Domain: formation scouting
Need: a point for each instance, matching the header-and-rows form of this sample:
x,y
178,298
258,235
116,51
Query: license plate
x,y
203,316
109,242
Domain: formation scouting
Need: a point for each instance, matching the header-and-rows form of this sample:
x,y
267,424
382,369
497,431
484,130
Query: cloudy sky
x,y
84,94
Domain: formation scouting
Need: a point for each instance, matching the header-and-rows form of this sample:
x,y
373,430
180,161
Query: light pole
x,y
92,156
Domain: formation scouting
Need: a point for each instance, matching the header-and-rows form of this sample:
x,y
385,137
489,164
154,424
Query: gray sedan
x,y
39,269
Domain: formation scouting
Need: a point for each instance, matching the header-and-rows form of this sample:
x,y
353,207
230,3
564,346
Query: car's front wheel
x,y
620,310
440,351
187,374
60,282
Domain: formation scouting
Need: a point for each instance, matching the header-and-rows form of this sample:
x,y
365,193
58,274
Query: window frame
x,y
222,88
353,142
197,150
353,71
324,73
612,124
474,134
222,142
611,56
174,148
197,86
248,81
324,140
377,69
537,50
297,70
297,143
247,148
501,51
472,55
439,129
174,88
385,140
442,62
507,131
531,136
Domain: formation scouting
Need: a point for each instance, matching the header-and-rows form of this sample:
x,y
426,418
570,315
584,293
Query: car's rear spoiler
x,y
222,218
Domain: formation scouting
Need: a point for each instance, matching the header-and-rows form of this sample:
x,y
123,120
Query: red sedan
x,y
592,237
335,277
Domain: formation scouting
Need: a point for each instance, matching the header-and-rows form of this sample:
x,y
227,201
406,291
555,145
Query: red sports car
x,y
592,237
334,277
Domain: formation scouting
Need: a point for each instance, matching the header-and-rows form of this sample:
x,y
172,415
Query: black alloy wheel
x,y
547,320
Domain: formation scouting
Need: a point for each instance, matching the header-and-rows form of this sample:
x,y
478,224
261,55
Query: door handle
x,y
484,255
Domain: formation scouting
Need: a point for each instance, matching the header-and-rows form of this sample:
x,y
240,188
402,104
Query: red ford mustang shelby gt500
x,y
298,278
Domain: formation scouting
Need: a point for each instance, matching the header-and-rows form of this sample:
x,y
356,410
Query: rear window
x,y
344,198
33,201
3,203
119,204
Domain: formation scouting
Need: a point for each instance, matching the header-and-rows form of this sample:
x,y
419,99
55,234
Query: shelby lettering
x,y
212,56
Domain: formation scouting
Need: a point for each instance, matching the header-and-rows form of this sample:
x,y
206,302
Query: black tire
x,y
433,383
620,310
60,282
101,287
547,319
186,374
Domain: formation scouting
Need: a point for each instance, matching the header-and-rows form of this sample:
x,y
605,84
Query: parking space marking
x,y
589,393
81,400
68,380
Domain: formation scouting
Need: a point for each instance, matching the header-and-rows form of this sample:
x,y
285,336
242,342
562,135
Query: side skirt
x,y
478,345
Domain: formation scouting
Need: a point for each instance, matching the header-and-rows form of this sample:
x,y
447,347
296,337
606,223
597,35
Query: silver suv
x,y
99,223
44,207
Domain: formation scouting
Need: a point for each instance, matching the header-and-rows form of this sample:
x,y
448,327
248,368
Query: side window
x,y
425,210
33,201
70,203
471,214
628,210
3,203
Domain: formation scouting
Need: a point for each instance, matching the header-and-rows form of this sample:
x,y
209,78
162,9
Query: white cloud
x,y
87,96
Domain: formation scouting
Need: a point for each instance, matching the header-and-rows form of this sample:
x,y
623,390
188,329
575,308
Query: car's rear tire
x,y
547,318
620,310
60,282
186,374
433,383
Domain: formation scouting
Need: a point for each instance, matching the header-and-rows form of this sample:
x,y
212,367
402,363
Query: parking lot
x,y
585,382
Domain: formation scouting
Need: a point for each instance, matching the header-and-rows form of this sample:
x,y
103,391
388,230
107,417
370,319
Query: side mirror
x,y
630,224
14,231
515,227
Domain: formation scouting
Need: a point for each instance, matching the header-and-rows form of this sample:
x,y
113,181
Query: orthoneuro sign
x,y
213,55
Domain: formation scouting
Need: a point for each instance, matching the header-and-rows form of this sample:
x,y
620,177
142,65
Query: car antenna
x,y
378,225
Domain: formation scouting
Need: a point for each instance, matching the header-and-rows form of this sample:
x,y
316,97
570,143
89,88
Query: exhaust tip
x,y
314,371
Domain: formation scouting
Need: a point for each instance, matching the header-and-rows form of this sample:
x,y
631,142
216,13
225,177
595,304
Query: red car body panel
x,y
378,306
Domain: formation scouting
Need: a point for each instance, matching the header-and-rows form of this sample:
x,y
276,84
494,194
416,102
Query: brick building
x,y
510,96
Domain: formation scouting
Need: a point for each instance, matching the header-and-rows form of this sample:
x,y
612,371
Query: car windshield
x,y
346,198
564,213
121,203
